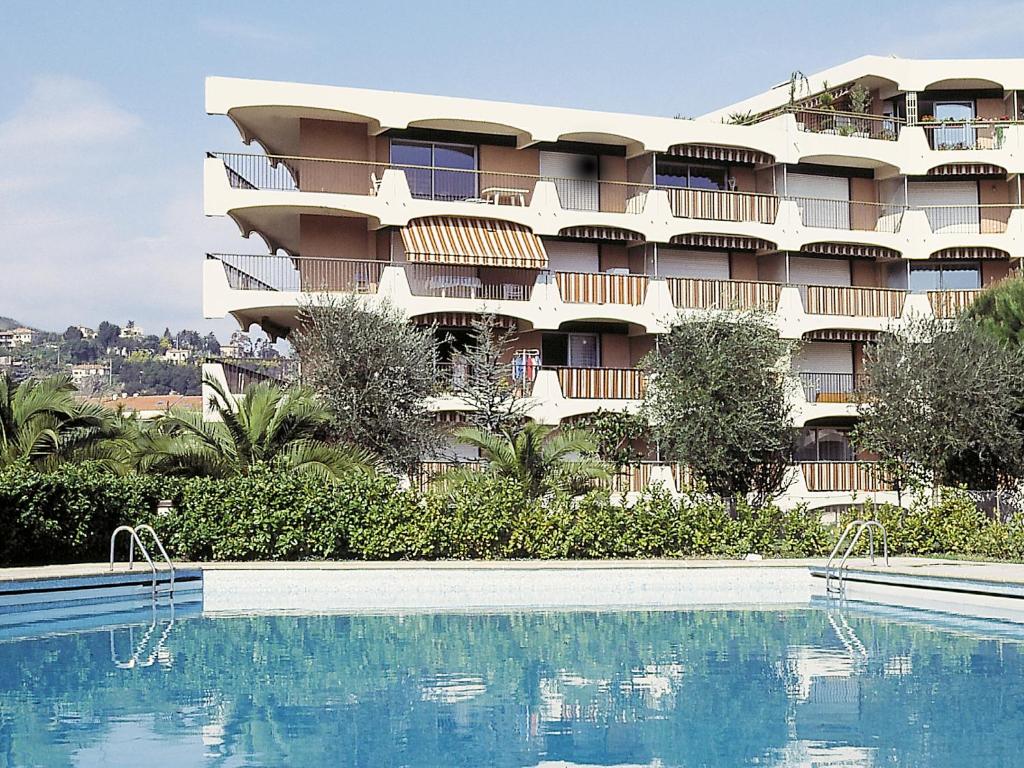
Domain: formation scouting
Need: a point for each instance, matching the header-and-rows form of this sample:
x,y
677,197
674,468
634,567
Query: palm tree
x,y
538,458
42,425
268,425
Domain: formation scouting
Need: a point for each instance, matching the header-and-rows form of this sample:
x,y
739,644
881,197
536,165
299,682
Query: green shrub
x,y
271,514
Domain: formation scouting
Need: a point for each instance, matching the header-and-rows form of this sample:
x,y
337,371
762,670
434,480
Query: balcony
x,y
241,373
456,282
850,215
853,301
968,219
843,476
601,288
601,383
949,304
721,205
830,387
969,134
854,124
300,273
704,293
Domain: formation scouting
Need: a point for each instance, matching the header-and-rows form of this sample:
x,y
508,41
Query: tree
x,y
999,310
165,342
72,334
717,402
107,334
941,404
42,425
375,371
538,458
210,344
267,425
618,435
483,378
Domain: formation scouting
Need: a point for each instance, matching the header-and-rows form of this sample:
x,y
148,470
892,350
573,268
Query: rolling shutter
x,y
804,270
963,194
805,185
575,177
824,357
570,256
679,263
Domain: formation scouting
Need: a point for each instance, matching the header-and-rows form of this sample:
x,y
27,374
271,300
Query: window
x,y
576,350
446,172
948,276
672,173
823,444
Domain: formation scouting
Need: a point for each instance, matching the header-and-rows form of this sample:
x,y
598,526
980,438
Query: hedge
x,y
68,516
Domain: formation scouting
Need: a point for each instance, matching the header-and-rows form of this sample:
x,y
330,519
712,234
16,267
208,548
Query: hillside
x,y
7,323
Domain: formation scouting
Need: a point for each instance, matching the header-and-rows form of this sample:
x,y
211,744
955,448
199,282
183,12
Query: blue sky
x,y
102,129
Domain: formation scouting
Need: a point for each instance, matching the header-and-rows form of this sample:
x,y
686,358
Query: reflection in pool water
x,y
688,688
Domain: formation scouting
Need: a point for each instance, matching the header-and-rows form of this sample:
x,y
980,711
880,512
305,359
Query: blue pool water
x,y
808,687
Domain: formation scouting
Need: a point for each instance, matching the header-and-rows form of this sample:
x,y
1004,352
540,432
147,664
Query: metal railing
x,y
601,288
835,578
949,304
851,215
830,387
722,205
968,219
852,301
601,383
135,540
856,124
457,282
243,372
841,476
707,293
267,272
966,134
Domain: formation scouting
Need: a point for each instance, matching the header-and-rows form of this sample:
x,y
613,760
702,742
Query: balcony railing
x,y
968,219
853,301
310,274
602,383
844,476
849,214
856,124
830,387
601,288
456,282
705,293
722,205
969,134
949,304
242,372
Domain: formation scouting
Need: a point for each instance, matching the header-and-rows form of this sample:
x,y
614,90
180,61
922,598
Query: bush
x,y
274,515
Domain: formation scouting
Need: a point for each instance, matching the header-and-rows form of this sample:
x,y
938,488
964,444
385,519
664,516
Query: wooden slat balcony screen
x,y
720,205
703,293
949,304
632,478
854,301
601,288
602,383
843,476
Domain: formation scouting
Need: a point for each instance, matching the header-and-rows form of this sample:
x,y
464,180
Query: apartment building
x,y
843,210
18,337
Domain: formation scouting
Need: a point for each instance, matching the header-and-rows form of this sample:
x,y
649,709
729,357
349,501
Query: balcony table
x,y
512,193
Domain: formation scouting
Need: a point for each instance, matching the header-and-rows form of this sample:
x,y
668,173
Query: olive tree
x,y
717,401
374,370
941,404
1000,311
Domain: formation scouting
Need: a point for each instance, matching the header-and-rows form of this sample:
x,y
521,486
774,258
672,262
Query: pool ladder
x,y
835,575
133,540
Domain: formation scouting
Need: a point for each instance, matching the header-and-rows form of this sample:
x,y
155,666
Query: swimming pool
x,y
717,687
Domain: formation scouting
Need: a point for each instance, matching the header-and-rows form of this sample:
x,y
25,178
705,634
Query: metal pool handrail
x,y
838,573
133,539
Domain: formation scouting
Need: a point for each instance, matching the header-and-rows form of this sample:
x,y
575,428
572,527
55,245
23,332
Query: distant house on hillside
x,y
180,356
87,333
84,371
132,331
18,337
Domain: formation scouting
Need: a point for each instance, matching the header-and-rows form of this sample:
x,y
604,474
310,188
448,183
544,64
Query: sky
x,y
102,128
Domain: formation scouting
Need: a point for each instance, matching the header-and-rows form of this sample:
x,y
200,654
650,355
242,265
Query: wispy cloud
x,y
247,33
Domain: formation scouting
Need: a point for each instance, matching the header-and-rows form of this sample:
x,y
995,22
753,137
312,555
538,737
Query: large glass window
x,y
672,173
447,171
577,350
823,444
945,276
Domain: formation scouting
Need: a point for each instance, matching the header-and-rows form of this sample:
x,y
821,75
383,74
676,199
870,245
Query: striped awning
x,y
721,154
473,242
856,250
600,233
723,242
971,252
461,320
967,169
840,334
